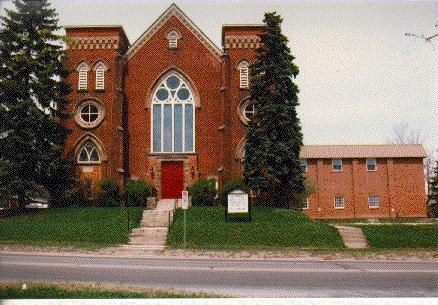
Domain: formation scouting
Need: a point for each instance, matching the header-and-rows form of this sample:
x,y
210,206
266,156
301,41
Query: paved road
x,y
235,277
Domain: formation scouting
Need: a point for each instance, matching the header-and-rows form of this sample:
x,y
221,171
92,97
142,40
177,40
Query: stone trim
x,y
93,42
242,42
175,11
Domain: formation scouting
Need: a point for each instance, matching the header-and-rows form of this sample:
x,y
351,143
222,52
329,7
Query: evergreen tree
x,y
32,99
274,139
432,198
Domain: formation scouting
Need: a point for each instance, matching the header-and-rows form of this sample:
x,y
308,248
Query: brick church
x,y
172,107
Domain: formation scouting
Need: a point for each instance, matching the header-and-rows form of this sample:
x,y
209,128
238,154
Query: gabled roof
x,y
362,151
174,10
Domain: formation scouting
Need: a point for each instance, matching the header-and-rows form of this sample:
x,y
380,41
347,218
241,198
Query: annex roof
x,y
174,10
363,151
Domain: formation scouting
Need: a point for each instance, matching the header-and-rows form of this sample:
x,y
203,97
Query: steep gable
x,y
175,11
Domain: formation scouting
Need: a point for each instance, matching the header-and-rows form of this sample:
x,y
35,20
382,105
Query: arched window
x,y
244,74
83,69
173,116
100,76
173,37
89,153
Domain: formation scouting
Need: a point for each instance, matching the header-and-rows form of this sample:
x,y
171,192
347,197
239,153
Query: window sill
x,y
243,88
82,90
99,90
337,208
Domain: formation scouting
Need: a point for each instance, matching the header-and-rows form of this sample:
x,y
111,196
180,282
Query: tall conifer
x,y
32,99
432,198
274,139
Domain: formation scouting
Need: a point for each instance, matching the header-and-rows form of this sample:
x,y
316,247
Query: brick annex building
x,y
173,107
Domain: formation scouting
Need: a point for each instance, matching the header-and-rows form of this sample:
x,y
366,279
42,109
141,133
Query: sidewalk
x,y
287,255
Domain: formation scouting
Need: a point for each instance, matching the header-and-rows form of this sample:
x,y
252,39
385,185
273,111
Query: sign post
x,y
185,206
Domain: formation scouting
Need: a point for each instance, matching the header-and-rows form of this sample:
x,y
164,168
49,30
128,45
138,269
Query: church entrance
x,y
172,179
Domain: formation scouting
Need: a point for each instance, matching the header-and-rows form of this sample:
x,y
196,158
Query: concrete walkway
x,y
152,233
353,237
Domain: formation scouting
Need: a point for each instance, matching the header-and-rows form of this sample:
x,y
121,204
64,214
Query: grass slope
x,y
77,227
50,291
269,228
401,236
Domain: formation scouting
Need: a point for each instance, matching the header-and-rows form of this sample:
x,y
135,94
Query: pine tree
x,y
274,139
432,197
32,99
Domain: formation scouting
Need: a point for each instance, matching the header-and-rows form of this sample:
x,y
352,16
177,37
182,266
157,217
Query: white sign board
x,y
185,200
238,202
87,169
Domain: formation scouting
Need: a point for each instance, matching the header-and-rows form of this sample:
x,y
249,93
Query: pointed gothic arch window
x,y
83,69
100,69
243,74
173,116
89,153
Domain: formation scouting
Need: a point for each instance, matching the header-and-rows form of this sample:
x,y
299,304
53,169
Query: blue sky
x,y
360,75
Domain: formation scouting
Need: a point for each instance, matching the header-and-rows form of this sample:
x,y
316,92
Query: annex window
x,y
244,75
339,202
306,204
89,153
83,69
337,165
100,76
173,116
371,165
303,166
373,202
172,38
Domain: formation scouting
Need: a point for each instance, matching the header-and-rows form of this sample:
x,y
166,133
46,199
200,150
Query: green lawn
x,y
50,291
76,227
401,236
269,228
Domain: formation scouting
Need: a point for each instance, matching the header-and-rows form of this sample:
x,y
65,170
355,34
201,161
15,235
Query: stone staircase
x,y
152,233
353,237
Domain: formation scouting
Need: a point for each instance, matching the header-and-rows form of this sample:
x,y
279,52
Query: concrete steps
x,y
152,233
352,237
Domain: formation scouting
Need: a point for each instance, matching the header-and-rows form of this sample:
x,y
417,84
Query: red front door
x,y
172,179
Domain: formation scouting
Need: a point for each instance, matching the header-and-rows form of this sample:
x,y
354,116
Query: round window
x,y
246,110
89,114
249,111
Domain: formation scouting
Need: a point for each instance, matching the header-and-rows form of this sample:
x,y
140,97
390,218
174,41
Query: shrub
x,y
136,192
109,193
203,192
229,186
76,194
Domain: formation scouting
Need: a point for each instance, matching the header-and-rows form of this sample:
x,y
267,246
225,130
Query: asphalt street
x,y
243,278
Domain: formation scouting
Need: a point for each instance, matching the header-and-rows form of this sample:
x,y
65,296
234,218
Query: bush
x,y
76,194
203,192
229,186
136,192
109,193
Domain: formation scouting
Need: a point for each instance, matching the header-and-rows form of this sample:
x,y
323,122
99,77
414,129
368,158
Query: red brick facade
x,y
123,135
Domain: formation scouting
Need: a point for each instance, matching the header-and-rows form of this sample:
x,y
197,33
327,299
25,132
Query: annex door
x,y
172,179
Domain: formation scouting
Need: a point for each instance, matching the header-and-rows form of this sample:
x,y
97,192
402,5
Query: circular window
x,y
89,114
172,82
246,110
162,94
183,94
249,111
